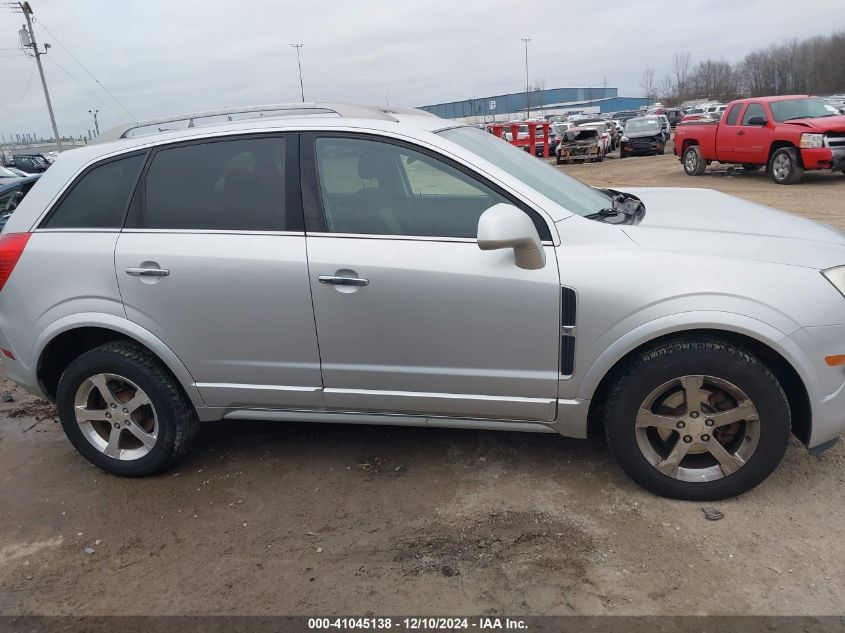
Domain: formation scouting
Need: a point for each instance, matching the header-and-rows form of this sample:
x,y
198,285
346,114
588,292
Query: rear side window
x,y
733,115
236,185
98,199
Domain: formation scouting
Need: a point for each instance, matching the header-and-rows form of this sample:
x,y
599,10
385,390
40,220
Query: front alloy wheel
x,y
696,418
697,428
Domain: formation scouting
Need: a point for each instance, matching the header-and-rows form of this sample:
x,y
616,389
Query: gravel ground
x,y
272,518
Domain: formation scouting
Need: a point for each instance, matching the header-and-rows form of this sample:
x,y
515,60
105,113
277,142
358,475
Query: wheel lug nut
x,y
126,410
681,424
694,414
113,405
687,438
108,415
705,438
709,422
117,425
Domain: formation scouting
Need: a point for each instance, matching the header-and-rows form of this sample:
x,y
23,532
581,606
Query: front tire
x,y
784,166
694,164
697,419
124,412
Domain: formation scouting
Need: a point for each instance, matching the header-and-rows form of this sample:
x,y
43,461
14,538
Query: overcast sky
x,y
171,56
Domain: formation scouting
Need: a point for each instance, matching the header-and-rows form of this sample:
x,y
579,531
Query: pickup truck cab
x,y
785,134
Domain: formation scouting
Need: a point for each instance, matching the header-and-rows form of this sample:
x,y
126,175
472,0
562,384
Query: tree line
x,y
811,66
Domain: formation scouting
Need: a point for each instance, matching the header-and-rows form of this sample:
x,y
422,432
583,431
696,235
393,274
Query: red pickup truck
x,y
786,135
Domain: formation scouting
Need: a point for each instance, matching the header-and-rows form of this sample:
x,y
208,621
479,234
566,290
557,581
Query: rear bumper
x,y
823,158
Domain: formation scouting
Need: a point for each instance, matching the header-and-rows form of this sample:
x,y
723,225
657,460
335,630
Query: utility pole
x,y
527,95
299,63
27,12
93,113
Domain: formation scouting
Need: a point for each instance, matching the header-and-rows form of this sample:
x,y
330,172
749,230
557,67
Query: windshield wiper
x,y
625,209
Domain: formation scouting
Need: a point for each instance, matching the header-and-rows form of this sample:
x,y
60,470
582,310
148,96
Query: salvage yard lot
x,y
273,518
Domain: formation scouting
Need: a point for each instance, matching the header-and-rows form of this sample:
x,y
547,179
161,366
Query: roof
x,y
771,99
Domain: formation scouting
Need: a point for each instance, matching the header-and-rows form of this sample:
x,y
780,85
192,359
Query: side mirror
x,y
505,226
756,120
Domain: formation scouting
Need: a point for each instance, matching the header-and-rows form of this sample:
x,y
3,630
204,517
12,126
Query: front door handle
x,y
147,272
740,133
332,280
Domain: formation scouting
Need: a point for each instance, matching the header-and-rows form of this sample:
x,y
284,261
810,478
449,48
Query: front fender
x,y
689,321
129,329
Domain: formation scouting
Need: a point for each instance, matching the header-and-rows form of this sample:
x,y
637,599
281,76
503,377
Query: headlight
x,y
624,139
836,276
812,141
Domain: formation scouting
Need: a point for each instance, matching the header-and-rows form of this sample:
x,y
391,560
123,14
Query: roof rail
x,y
213,117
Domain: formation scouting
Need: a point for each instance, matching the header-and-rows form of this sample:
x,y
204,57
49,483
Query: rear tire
x,y
694,164
124,412
784,166
697,419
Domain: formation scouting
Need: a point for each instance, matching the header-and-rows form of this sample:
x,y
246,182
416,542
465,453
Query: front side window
x,y
754,110
379,188
98,199
232,185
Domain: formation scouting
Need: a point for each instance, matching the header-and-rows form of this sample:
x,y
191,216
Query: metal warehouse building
x,y
549,101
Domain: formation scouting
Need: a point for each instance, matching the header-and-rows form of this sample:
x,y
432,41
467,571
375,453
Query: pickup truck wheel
x,y
697,419
784,166
750,167
694,164
124,412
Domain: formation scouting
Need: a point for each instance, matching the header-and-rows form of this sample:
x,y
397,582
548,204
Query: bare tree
x,y
666,88
647,83
682,64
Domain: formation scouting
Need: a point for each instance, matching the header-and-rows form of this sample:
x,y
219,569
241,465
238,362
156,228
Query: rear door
x,y
729,134
212,262
411,315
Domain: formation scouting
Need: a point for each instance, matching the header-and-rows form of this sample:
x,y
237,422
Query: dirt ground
x,y
273,518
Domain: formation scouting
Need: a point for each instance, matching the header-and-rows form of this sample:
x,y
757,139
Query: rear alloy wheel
x,y
124,412
697,419
784,166
694,164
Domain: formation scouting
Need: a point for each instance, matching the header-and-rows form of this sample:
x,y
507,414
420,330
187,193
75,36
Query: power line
x,y
81,65
84,87
28,83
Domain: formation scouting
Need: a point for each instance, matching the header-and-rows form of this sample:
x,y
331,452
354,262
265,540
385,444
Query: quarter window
x,y
379,188
236,185
98,199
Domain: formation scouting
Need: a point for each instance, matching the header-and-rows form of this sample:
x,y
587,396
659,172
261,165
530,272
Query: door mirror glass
x,y
756,120
505,226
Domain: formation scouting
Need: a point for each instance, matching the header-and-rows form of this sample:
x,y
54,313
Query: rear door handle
x,y
332,280
147,272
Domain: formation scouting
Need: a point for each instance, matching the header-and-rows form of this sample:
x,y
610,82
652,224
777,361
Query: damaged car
x,y
643,136
581,144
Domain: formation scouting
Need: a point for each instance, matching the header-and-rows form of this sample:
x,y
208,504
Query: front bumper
x,y
825,385
823,158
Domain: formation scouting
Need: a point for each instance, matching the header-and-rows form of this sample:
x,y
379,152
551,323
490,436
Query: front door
x,y
212,261
754,146
411,315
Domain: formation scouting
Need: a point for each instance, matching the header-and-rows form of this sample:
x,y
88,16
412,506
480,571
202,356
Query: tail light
x,y
11,249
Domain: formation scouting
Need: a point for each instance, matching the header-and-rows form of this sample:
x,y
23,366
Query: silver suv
x,y
354,265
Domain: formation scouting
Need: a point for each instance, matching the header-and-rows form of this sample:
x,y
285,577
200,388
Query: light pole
x,y
299,63
527,96
28,40
93,113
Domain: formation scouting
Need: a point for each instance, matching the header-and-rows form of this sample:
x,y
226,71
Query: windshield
x,y
799,109
642,125
569,193
5,173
